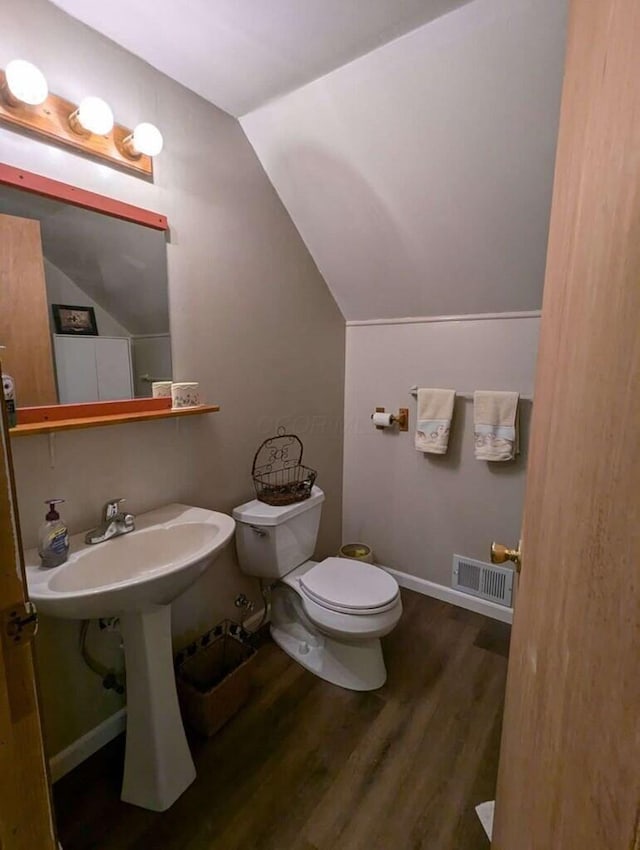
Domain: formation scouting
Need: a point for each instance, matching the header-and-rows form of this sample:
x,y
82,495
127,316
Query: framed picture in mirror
x,y
77,321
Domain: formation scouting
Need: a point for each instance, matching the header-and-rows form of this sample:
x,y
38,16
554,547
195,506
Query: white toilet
x,y
328,615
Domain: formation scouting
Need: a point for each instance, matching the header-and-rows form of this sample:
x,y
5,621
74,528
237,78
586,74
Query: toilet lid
x,y
345,584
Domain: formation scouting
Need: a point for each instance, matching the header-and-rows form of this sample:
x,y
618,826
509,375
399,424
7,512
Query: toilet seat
x,y
349,587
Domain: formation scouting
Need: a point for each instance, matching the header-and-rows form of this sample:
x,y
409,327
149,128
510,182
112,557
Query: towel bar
x,y
468,396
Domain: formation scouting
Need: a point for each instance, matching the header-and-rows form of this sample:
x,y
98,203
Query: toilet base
x,y
356,668
356,665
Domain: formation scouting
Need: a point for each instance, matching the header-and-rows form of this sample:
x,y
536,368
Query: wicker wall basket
x,y
279,476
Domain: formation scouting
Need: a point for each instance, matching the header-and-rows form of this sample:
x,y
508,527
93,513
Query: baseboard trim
x,y
73,755
454,597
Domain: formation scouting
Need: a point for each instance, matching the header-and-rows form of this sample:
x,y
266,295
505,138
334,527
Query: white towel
x,y
433,420
495,425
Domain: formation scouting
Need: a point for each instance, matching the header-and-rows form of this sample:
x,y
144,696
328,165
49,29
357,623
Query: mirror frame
x,y
45,186
18,178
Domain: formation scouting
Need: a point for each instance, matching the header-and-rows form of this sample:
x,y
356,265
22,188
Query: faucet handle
x,y
112,508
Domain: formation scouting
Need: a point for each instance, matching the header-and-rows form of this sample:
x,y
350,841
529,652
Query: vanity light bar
x,y
24,83
27,104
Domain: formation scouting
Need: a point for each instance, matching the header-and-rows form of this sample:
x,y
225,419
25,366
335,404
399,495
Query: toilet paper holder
x,y
401,419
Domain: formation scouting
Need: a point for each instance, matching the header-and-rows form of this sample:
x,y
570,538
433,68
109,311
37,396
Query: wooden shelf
x,y
108,419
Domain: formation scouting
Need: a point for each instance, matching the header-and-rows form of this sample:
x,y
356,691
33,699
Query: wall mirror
x,y
84,313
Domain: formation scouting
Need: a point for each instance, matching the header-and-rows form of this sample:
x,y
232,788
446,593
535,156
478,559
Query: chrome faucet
x,y
114,523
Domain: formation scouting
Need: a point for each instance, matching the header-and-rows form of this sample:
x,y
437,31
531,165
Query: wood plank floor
x,y
308,766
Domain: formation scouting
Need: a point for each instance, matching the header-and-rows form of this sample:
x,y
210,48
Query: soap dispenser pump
x,y
53,538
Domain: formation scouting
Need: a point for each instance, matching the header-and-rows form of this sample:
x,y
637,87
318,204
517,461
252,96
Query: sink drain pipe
x,y
112,679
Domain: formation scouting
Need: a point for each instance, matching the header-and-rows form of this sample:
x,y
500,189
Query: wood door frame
x,y
26,812
25,326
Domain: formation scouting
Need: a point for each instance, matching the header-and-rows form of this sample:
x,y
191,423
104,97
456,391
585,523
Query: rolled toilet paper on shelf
x,y
161,389
382,420
185,394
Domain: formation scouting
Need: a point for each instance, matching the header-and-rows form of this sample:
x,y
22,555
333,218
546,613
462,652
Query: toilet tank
x,y
272,540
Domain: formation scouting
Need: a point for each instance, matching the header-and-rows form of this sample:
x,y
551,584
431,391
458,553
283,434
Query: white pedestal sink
x,y
136,577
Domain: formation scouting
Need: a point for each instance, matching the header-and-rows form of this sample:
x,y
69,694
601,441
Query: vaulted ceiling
x,y
420,175
412,141
239,54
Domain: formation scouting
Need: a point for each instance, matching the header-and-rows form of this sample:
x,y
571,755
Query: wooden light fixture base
x,y
51,121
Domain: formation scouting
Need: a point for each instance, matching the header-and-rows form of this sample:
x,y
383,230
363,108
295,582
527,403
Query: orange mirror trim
x,y
48,188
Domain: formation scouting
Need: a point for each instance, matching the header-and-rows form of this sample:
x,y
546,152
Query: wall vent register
x,y
486,581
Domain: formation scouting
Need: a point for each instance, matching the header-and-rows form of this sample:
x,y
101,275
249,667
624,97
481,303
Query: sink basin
x,y
136,577
150,566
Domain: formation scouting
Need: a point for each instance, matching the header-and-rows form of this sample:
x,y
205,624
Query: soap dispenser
x,y
53,539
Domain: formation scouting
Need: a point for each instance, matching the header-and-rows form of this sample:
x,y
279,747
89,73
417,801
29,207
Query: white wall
x,y
240,55
420,175
416,510
151,356
251,319
62,290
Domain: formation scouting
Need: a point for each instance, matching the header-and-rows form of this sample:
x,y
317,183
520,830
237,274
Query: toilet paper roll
x,y
161,389
382,420
185,394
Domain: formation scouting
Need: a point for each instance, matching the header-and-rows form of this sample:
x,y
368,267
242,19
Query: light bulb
x,y
146,139
93,115
26,83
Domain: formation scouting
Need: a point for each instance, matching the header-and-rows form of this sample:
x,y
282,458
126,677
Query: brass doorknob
x,y
501,554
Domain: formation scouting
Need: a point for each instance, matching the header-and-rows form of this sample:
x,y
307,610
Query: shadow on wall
x,y
343,208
